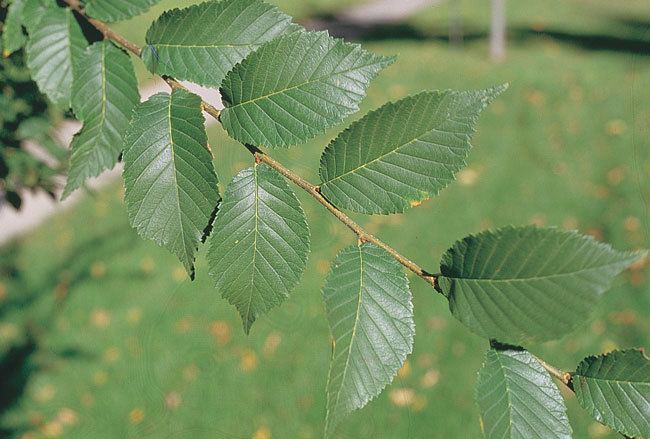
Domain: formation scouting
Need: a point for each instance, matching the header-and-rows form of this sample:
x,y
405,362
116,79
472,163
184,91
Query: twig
x,y
363,235
567,379
564,377
262,157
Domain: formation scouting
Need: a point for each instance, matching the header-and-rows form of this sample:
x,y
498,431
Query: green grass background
x,y
120,344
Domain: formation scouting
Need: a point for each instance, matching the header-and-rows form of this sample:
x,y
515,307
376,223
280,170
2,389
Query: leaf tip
x,y
247,324
191,272
640,256
491,93
389,59
68,189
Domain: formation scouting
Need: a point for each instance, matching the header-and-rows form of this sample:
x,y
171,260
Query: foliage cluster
x,y
281,86
25,115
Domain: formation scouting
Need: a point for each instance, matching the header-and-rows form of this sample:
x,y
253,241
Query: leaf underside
x,y
296,87
518,399
402,153
116,10
171,185
615,389
259,242
370,314
204,42
523,284
54,46
103,97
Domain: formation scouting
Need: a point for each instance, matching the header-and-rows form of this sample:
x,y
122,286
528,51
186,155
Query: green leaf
x,y
103,96
370,314
296,87
259,242
615,389
402,153
54,46
171,186
229,31
116,10
520,284
33,11
518,399
13,37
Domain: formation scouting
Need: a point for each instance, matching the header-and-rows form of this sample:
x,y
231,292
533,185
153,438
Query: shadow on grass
x,y
38,305
633,37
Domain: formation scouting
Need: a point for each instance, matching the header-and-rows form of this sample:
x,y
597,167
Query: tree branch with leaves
x,y
281,86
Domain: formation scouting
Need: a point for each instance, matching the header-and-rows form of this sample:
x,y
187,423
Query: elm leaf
x,y
404,152
55,45
615,389
104,94
259,242
518,399
13,37
116,10
171,186
525,284
296,87
370,314
204,42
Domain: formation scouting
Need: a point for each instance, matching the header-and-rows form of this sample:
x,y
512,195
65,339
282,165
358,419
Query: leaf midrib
x,y
397,148
310,81
203,46
255,232
525,279
617,381
103,72
172,145
382,156
354,329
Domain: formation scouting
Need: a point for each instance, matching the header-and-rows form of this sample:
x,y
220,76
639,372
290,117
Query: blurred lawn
x,y
118,343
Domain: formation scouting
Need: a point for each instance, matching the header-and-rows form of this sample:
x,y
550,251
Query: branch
x,y
311,189
262,157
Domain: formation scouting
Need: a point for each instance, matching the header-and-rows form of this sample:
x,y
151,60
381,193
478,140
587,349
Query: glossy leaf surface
x,y
171,186
54,46
518,399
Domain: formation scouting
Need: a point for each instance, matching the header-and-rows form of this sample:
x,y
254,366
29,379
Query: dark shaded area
x,y
15,369
90,32
590,41
496,344
29,354
634,36
633,24
70,270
